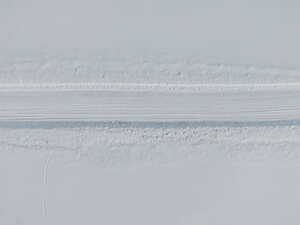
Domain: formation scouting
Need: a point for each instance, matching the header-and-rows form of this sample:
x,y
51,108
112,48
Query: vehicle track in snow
x,y
130,106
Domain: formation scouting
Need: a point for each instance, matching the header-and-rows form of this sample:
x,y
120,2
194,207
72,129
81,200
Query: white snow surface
x,y
101,139
101,106
120,67
149,112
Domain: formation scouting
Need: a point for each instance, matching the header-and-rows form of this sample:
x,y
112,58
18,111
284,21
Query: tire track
x,y
149,106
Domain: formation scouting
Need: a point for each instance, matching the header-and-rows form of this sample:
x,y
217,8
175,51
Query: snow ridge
x,y
101,68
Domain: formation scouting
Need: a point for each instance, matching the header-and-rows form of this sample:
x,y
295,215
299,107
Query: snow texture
x,y
149,112
111,68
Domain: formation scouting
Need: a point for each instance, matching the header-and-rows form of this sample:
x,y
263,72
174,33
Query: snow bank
x,y
115,68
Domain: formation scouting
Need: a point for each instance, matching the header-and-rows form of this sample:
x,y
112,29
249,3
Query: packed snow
x,y
149,112
148,143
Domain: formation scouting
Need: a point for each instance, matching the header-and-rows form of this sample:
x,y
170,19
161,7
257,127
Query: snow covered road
x,y
278,105
149,157
123,142
149,112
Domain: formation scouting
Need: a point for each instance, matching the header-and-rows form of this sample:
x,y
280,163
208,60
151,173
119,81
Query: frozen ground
x,y
166,144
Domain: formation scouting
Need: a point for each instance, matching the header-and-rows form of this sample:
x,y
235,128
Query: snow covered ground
x,y
145,173
81,67
149,112
149,151
236,106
